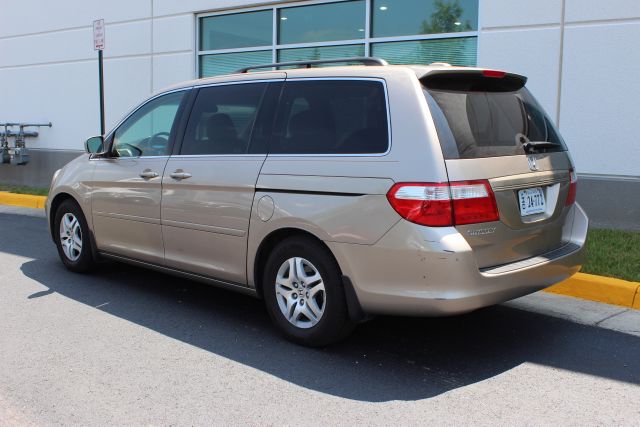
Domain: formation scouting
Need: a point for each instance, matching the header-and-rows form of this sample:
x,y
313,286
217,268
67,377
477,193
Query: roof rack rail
x,y
307,64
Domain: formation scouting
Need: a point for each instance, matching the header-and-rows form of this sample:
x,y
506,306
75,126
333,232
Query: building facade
x,y
580,56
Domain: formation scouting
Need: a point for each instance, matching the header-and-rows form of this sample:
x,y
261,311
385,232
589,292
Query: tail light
x,y
573,187
444,204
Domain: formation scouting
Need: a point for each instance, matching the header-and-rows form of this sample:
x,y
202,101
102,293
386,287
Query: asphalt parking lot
x,y
126,346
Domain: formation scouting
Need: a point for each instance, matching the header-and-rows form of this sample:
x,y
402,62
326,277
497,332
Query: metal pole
x,y
101,77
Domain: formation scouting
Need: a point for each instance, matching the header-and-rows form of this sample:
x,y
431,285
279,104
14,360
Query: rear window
x,y
484,123
331,117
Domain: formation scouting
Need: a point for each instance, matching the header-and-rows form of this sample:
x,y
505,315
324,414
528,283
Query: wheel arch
x,y
57,200
55,204
270,241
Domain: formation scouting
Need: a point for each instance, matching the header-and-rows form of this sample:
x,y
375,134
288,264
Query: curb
x,y
24,200
600,289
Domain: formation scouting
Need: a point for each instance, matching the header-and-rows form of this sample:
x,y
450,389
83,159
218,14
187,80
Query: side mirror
x,y
94,145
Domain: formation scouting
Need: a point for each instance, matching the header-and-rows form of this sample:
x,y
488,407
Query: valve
x,y
4,145
19,153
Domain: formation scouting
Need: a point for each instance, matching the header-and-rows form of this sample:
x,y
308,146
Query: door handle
x,y
148,174
180,175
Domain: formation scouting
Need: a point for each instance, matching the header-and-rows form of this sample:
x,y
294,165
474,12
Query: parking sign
x,y
98,34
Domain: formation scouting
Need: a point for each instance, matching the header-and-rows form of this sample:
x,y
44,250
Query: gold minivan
x,y
333,193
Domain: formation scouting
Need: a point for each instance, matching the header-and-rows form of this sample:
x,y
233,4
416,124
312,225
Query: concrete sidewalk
x,y
612,317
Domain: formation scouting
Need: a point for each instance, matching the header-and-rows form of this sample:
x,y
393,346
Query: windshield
x,y
472,124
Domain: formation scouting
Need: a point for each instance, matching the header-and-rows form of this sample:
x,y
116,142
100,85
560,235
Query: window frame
x,y
367,40
388,113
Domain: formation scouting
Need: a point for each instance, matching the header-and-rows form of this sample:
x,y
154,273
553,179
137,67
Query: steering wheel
x,y
159,140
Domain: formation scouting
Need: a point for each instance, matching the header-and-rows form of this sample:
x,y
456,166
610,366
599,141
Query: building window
x,y
457,51
237,30
224,63
322,22
322,52
400,31
413,17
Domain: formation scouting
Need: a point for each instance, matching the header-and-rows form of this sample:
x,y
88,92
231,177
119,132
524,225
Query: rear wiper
x,y
531,146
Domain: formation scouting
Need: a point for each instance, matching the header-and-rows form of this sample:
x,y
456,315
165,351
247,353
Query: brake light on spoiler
x,y
496,74
444,204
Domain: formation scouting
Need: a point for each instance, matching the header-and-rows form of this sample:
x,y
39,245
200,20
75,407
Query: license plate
x,y
531,201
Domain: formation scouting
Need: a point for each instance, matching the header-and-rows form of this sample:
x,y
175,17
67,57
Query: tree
x,y
445,19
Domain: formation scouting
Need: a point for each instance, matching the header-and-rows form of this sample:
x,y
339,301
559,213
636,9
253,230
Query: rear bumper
x,y
421,271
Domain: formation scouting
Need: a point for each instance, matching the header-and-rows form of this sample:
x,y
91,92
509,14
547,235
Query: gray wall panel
x,y
38,172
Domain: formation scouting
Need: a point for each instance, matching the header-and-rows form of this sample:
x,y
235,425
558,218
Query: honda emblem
x,y
532,163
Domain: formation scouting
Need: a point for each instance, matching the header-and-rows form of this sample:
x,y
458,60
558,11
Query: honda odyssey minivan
x,y
334,194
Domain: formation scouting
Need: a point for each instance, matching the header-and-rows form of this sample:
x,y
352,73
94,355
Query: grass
x,y
613,253
23,189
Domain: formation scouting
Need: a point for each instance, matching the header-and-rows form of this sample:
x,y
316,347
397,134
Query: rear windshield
x,y
472,124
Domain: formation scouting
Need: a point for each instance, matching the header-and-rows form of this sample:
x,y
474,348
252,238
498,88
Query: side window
x,y
332,117
146,132
222,119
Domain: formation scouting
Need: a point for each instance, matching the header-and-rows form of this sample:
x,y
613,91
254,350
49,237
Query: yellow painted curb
x,y
24,200
600,289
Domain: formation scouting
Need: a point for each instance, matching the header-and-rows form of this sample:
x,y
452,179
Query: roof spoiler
x,y
473,80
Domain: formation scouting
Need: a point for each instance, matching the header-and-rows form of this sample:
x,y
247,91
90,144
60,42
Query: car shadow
x,y
388,358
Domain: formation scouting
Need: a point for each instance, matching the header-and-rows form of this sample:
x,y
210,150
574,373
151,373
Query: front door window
x,y
147,132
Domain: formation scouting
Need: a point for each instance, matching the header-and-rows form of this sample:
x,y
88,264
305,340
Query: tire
x,y
73,239
313,296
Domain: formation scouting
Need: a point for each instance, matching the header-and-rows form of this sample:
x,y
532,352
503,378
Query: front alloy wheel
x,y
71,236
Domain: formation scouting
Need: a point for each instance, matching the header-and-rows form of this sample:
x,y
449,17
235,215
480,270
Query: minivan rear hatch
x,y
492,129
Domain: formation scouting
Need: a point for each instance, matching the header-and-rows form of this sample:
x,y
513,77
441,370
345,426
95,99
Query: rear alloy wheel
x,y
303,293
300,292
72,237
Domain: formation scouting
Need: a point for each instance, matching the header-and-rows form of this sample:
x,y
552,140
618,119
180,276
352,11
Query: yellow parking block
x,y
24,200
600,289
